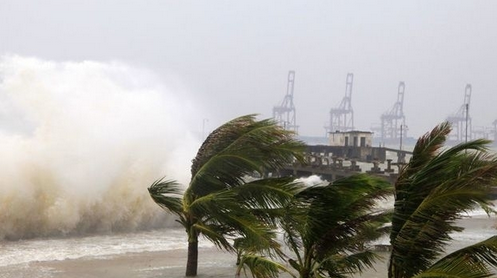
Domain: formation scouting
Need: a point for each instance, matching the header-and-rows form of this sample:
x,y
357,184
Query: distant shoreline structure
x,y
408,142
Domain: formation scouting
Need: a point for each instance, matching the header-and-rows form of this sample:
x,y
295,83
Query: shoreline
x,y
172,262
150,264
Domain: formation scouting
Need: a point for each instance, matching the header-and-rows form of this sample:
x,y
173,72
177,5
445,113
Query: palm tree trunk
x,y
192,261
305,271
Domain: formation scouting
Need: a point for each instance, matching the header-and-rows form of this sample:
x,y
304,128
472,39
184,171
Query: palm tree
x,y
435,187
260,266
219,202
330,227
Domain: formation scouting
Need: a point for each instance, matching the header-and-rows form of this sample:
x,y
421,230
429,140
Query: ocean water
x,y
80,142
16,256
55,249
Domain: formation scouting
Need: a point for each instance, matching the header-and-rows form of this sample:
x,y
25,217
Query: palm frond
x,y
426,147
259,235
241,147
343,265
215,203
261,267
334,221
434,189
215,234
167,194
267,198
459,267
224,213
477,259
246,245
219,203
342,209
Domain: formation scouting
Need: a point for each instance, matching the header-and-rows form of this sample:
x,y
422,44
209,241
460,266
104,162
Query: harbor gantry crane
x,y
342,118
461,121
285,114
394,120
482,132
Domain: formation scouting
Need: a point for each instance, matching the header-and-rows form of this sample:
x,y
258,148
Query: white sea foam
x,y
311,180
81,141
25,251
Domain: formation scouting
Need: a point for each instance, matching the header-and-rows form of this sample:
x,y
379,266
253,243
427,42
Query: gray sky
x,y
234,56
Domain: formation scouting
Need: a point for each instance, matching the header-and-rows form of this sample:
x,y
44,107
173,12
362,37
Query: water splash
x,y
81,141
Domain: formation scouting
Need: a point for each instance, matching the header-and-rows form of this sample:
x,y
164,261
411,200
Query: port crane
x,y
461,121
285,113
342,117
393,121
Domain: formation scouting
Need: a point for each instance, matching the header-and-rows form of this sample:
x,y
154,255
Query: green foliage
x,y
240,148
260,267
471,261
330,226
432,191
167,195
219,203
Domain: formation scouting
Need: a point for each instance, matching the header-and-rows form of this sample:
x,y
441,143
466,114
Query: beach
x,y
159,253
171,263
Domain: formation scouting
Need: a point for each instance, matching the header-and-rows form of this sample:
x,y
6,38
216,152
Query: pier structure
x,y
461,120
342,117
285,114
393,122
334,162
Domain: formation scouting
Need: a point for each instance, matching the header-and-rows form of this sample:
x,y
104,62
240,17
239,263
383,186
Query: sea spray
x,y
81,141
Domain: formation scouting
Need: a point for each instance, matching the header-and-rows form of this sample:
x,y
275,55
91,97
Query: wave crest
x,y
81,141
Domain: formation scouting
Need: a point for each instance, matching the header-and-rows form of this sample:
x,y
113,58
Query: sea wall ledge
x,y
334,162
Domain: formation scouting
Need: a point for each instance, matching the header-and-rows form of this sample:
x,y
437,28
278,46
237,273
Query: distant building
x,y
352,138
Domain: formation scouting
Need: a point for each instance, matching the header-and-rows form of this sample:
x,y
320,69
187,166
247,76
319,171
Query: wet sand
x,y
212,263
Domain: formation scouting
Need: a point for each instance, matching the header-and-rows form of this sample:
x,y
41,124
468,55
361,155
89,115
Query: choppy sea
x,y
18,254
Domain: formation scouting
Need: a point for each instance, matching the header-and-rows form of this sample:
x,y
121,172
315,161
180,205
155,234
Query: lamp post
x,y
401,135
401,155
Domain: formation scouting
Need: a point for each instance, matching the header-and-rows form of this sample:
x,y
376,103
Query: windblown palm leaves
x,y
432,191
219,202
331,226
260,267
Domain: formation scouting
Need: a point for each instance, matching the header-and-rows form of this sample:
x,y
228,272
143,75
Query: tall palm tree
x,y
219,203
435,187
331,227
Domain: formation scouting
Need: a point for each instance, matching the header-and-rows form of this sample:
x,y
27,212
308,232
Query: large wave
x,y
81,141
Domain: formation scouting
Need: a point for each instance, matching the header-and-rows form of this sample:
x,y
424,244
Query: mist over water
x,y
80,142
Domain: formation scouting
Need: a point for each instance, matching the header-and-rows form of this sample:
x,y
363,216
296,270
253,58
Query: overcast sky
x,y
234,56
